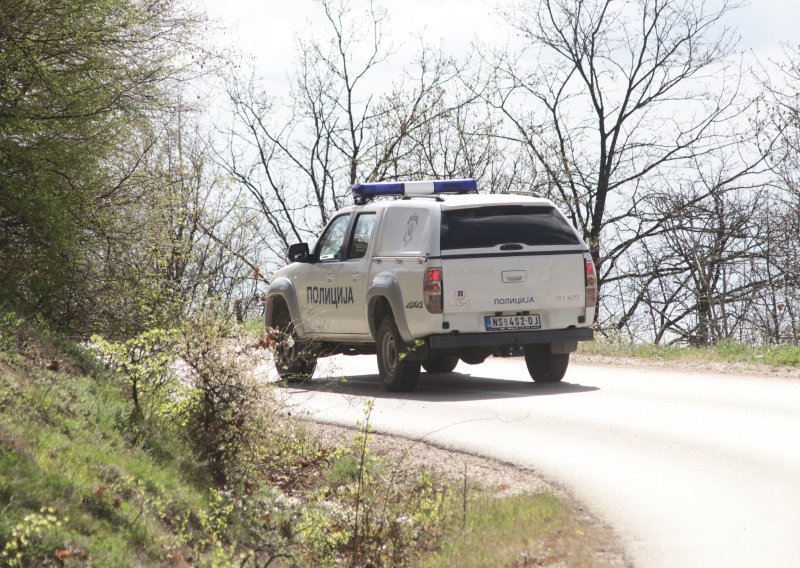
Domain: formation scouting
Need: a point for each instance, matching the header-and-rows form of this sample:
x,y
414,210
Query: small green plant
x,y
254,326
783,356
513,523
214,522
9,324
145,361
27,546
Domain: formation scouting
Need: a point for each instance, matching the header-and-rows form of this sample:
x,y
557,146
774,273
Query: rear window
x,y
490,226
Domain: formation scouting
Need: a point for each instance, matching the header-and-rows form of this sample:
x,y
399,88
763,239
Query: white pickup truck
x,y
438,274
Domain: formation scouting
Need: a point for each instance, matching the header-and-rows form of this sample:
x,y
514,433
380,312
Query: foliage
x,y
365,514
180,237
195,378
725,351
9,324
145,361
73,489
26,538
230,414
83,82
76,489
498,531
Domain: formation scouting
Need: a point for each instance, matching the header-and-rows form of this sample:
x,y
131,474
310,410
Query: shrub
x,y
145,361
9,324
229,413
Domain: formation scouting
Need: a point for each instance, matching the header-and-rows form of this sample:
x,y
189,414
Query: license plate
x,y
504,323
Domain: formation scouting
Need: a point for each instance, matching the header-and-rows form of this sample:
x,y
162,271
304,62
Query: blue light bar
x,y
363,191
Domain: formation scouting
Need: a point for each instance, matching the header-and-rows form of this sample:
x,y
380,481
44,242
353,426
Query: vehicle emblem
x,y
410,226
460,299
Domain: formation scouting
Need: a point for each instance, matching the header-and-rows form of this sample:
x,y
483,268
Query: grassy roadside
x,y
81,484
725,352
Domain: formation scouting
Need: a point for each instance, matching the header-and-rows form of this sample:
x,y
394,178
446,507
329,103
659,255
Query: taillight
x,y
432,290
590,280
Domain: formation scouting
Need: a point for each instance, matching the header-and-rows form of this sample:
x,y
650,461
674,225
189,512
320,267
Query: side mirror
x,y
298,252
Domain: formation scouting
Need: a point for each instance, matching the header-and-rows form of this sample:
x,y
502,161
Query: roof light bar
x,y
364,191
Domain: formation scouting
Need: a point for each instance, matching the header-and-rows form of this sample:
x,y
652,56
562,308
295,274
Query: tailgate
x,y
513,283
511,260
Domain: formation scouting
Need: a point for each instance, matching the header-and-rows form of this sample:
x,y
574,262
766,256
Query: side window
x,y
331,243
361,235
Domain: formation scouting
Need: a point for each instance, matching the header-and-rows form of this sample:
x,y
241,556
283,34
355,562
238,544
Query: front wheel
x,y
293,359
398,373
545,366
440,363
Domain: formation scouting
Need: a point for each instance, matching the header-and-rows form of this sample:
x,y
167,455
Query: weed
x,y
27,547
9,325
368,514
725,351
497,531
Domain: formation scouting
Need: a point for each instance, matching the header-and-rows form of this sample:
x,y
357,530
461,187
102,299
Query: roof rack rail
x,y
434,197
362,192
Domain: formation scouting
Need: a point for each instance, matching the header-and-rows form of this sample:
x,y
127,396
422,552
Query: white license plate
x,y
503,323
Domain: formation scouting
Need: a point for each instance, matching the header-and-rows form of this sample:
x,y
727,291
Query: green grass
x,y
253,325
64,455
498,531
727,351
79,486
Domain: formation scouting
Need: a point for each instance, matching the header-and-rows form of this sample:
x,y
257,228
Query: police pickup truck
x,y
438,275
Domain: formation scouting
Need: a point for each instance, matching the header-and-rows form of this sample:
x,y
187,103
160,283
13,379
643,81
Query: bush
x,y
145,361
229,414
9,324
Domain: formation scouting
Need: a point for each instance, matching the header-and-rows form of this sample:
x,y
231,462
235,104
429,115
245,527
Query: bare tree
x,y
620,95
779,318
298,161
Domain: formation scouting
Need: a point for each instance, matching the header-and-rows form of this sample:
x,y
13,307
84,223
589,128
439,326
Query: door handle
x,y
510,276
330,277
355,277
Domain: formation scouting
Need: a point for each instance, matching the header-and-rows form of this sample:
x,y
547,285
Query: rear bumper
x,y
509,338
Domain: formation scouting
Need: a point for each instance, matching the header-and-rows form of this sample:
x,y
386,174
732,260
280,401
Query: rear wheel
x,y
398,373
545,366
294,360
440,363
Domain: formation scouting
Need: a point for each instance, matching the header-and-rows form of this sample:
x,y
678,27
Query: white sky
x,y
265,29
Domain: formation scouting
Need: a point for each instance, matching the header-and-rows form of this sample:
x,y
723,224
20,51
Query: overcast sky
x,y
266,29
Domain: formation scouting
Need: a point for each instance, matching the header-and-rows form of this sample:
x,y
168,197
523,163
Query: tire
x,y
475,358
398,373
545,366
440,363
294,360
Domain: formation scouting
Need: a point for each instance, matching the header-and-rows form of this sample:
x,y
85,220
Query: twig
x,y
464,519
